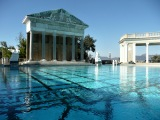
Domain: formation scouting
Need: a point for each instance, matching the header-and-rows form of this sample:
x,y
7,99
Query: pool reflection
x,y
128,77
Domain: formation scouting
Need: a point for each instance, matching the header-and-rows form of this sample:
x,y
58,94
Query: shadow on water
x,y
73,97
40,80
11,110
70,94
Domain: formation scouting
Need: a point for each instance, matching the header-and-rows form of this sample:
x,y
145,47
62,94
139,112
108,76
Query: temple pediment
x,y
59,15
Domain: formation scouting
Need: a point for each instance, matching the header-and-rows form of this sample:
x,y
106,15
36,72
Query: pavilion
x,y
128,44
54,35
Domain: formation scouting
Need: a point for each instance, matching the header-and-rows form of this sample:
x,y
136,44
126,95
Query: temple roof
x,y
59,15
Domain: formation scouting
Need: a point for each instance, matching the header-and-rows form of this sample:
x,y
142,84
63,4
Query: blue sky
x,y
108,20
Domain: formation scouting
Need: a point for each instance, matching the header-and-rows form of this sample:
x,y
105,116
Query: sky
x,y
108,20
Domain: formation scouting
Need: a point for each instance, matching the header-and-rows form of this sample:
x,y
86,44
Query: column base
x,y
73,60
30,60
82,60
43,60
54,60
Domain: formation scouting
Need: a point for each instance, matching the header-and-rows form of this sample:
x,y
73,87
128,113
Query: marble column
x,y
73,48
43,46
134,52
27,46
147,52
126,53
30,46
64,47
121,53
82,50
76,51
54,46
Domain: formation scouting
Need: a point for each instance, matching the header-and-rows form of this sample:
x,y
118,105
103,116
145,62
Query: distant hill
x,y
143,57
106,58
138,57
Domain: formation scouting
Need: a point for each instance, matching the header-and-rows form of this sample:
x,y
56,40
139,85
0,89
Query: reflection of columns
x,y
54,46
64,47
43,45
147,52
73,48
82,50
123,77
147,83
134,77
134,53
96,72
126,52
30,46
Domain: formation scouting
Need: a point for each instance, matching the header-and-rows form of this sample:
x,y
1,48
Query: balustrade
x,y
141,35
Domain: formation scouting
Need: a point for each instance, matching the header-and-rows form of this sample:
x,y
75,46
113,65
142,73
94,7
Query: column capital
x,y
64,35
54,33
82,37
147,43
126,43
73,36
43,33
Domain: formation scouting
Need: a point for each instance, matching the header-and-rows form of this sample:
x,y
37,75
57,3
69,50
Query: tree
x,y
89,45
4,49
155,58
22,45
4,44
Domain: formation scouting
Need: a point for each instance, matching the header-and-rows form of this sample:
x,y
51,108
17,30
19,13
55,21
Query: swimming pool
x,y
80,93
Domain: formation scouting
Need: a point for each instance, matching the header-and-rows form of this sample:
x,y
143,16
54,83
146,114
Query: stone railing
x,y
141,35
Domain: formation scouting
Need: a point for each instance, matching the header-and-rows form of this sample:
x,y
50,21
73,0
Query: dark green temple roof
x,y
59,15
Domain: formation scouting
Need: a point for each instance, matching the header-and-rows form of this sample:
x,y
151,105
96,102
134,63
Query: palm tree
x,y
89,45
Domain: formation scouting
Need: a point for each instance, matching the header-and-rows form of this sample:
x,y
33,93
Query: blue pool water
x,y
80,93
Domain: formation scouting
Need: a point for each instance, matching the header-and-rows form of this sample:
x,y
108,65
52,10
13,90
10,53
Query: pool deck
x,y
56,63
142,64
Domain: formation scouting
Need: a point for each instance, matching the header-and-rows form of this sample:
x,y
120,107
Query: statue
x,y
61,16
97,58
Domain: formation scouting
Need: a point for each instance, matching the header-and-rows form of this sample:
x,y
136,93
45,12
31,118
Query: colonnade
x,y
126,55
128,43
55,43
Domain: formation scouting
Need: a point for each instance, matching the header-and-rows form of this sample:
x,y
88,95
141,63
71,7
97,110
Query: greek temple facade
x,y
54,35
